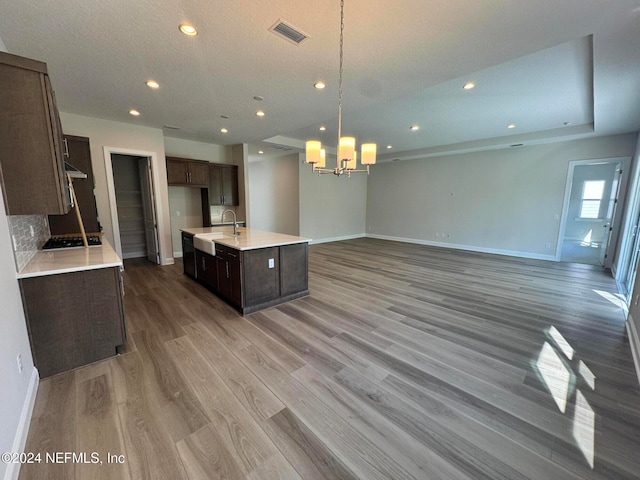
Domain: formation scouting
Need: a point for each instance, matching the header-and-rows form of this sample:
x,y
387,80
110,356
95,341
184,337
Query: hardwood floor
x,y
405,362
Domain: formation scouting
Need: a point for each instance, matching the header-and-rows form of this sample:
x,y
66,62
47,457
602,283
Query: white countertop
x,y
249,238
66,260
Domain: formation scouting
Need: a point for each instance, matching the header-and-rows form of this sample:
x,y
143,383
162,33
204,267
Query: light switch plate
x,y
271,263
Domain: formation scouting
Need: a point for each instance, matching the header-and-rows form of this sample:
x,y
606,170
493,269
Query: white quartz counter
x,y
249,239
66,260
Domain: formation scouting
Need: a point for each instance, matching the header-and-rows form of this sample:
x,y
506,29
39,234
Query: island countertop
x,y
66,260
249,238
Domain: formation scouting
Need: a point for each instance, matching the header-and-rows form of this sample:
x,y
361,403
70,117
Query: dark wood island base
x,y
252,279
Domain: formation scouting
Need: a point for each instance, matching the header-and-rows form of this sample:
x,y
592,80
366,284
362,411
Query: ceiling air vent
x,y
288,32
284,148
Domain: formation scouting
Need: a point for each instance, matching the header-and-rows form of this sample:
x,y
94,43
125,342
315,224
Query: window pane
x,y
593,190
590,209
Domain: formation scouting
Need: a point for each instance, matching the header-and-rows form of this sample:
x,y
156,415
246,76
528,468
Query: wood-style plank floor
x,y
405,362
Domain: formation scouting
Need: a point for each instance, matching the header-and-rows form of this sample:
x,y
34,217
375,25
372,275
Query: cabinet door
x,y
198,174
215,185
206,269
229,187
222,273
73,319
188,255
79,155
31,164
176,172
235,277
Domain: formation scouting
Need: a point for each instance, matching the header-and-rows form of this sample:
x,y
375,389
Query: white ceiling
x,y
536,64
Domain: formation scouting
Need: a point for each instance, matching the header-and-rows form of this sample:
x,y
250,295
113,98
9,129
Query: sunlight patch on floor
x,y
584,420
555,375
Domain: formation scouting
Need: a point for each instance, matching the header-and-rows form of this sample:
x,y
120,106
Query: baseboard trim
x,y
20,440
634,341
469,248
336,239
177,254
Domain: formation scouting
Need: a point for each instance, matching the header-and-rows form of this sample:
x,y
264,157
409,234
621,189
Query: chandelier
x,y
347,157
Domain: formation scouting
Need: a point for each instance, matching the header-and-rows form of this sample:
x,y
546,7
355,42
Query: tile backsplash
x,y
28,233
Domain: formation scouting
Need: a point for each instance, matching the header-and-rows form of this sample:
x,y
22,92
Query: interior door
x,y
149,210
607,249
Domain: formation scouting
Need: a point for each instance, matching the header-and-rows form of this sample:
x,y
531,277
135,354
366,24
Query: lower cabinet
x,y
74,319
188,255
254,279
206,269
229,274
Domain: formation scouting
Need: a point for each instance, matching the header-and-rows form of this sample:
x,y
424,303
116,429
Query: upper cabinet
x,y
79,156
223,184
32,161
190,173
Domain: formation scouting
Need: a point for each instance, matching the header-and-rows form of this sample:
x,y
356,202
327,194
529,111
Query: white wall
x,y
275,195
502,201
331,208
124,136
17,390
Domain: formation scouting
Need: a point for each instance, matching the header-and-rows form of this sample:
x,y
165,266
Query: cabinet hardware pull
x,y
232,255
227,264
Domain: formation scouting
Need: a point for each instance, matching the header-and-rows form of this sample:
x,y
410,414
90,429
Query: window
x,y
592,191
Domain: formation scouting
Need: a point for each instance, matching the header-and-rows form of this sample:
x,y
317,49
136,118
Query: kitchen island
x,y
252,270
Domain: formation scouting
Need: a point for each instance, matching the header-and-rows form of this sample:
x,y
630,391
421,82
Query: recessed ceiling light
x,y
260,152
469,85
319,85
188,29
135,113
389,146
258,98
224,116
413,128
511,125
153,84
224,130
260,113
322,128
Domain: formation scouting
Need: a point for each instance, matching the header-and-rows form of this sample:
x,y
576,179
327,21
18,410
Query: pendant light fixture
x,y
347,159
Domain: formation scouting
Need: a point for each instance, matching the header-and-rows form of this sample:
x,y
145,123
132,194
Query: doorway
x,y
133,205
591,219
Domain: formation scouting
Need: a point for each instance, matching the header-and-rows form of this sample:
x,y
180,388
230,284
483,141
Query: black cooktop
x,y
68,242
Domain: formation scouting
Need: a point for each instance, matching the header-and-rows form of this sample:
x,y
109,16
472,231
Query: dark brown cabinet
x,y
74,319
207,270
185,172
229,274
79,156
223,184
188,255
251,279
32,162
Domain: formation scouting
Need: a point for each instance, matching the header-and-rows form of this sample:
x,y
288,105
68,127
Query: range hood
x,y
72,171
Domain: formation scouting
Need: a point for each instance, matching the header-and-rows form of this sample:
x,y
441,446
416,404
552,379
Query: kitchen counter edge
x,y
68,260
244,241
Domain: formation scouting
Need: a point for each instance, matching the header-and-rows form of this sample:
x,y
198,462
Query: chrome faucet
x,y
235,220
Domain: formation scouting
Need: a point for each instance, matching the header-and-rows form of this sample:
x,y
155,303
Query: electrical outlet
x,y
20,366
32,231
271,263
178,213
